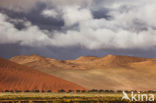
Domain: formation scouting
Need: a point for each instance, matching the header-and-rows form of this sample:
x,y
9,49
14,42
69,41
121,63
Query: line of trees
x,y
79,91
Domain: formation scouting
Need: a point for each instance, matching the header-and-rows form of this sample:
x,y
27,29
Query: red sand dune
x,y
18,77
109,72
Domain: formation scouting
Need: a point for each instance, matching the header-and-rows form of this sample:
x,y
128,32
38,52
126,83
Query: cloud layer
x,y
131,24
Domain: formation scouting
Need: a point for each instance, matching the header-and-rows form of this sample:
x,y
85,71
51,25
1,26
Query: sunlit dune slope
x,y
109,72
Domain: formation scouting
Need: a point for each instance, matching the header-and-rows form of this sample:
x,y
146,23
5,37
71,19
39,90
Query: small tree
x,y
128,91
36,91
70,91
119,91
109,91
150,91
93,90
42,91
101,91
83,91
78,91
135,91
6,90
27,91
61,91
49,91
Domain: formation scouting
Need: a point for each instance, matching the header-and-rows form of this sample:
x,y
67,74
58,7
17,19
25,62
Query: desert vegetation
x,y
32,97
47,97
76,91
62,96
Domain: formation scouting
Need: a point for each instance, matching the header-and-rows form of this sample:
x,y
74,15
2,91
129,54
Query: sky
x,y
67,29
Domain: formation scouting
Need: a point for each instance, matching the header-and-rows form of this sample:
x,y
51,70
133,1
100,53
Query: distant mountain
x,y
109,72
18,77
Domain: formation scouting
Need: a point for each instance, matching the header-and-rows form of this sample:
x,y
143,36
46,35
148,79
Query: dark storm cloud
x,y
102,13
35,17
10,50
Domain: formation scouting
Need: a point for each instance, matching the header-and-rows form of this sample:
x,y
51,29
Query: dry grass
x,y
61,97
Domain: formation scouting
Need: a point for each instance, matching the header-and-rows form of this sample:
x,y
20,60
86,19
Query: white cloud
x,y
131,26
75,14
103,38
31,35
49,13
